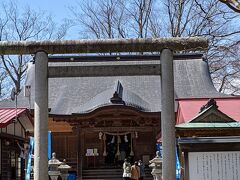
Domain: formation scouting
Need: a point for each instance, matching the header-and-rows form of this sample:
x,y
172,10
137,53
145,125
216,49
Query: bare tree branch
x,y
24,24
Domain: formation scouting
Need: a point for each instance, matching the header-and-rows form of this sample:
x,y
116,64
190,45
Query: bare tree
x,y
140,13
211,19
101,19
155,25
115,18
24,24
225,68
171,18
3,79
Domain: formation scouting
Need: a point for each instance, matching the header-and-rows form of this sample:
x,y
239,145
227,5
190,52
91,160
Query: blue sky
x,y
57,8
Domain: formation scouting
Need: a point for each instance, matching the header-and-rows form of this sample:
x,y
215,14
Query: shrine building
x,y
100,121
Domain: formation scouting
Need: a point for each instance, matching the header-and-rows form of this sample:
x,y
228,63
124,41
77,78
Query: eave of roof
x,y
7,115
123,57
206,140
112,108
188,108
207,125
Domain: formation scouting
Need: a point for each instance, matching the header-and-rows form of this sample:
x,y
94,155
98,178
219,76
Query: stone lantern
x,y
53,164
64,168
156,165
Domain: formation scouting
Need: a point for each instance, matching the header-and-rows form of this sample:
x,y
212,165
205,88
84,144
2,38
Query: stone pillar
x,y
168,116
41,116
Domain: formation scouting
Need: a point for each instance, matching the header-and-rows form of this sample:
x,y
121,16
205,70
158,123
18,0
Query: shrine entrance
x,y
118,147
105,137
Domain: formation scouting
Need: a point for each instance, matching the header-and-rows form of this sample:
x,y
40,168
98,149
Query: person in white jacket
x,y
126,170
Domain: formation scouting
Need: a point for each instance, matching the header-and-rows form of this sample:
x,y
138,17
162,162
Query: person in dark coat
x,y
142,173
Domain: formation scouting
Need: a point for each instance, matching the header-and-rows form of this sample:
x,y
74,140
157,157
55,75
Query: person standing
x,y
135,171
126,170
142,173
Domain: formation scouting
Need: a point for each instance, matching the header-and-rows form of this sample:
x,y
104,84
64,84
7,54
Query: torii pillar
x,y
168,116
41,116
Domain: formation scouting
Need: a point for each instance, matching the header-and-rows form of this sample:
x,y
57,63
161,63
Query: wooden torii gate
x,y
41,49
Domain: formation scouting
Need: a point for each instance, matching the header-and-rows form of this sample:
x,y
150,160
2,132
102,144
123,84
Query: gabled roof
x,y
83,94
189,110
210,113
8,115
210,117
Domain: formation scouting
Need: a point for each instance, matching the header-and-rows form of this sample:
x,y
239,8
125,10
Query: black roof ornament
x,y
117,95
211,102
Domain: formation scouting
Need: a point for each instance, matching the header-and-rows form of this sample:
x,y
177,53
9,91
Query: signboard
x,y
89,152
214,165
92,152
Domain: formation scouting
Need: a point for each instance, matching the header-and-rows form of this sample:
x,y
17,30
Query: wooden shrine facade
x,y
105,136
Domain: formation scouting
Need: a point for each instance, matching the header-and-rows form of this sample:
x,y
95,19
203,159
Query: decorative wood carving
x,y
116,116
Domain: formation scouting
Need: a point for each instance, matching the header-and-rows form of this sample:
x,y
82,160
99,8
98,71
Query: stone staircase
x,y
109,174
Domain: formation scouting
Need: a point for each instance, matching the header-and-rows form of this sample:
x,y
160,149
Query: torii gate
x,y
41,49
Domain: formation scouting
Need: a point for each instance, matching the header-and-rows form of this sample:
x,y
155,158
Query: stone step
x,y
119,178
109,174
